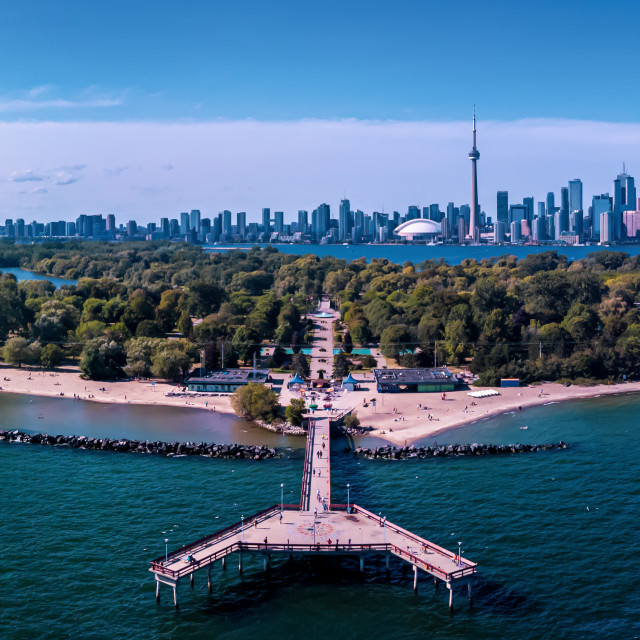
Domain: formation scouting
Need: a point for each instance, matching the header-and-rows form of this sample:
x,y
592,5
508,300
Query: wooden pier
x,y
315,527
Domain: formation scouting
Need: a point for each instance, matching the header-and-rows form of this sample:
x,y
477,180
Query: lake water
x,y
554,533
453,254
23,274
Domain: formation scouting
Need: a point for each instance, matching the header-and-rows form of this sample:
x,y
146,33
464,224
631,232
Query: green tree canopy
x,y
255,401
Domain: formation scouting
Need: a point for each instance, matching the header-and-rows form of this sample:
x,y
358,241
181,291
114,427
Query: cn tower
x,y
474,155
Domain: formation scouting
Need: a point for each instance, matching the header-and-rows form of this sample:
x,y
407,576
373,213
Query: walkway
x,y
312,529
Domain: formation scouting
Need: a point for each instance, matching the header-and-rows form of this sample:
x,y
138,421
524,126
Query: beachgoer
x,y
255,524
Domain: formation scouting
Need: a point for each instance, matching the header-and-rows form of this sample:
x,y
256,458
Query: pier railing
x,y
466,567
229,531
306,473
318,548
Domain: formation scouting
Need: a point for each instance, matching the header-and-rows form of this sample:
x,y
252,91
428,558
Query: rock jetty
x,y
450,450
124,445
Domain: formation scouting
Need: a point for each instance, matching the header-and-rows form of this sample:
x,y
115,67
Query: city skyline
x,y
132,170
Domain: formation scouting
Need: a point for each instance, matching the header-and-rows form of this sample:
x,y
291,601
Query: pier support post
x,y
435,583
209,579
386,560
361,563
450,587
469,592
191,581
415,579
157,590
224,563
266,563
175,595
240,562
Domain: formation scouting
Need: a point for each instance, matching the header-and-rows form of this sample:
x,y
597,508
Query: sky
x,y
145,109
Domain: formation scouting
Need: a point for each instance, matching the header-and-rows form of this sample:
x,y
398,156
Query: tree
x,y
12,308
19,351
340,365
102,359
351,420
347,342
140,353
185,325
137,310
168,311
173,359
246,343
51,356
256,402
294,411
204,298
149,329
300,365
395,340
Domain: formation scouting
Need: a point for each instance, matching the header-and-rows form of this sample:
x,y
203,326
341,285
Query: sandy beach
x,y
397,418
66,382
410,422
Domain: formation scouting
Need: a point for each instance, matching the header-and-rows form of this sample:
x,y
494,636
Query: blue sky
x,y
155,64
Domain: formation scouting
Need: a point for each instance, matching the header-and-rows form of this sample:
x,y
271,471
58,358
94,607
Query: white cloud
x,y
245,165
43,98
26,175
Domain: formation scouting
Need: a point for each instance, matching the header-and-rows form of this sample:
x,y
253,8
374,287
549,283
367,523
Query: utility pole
x,y
435,353
540,356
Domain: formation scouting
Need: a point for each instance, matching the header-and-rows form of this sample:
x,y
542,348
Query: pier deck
x,y
314,527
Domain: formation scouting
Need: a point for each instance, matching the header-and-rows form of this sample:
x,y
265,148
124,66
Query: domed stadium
x,y
418,227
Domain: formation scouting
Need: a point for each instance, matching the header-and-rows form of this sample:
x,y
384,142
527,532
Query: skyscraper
x,y
575,195
529,203
266,220
278,221
303,220
564,211
195,220
502,208
241,223
551,208
226,223
184,223
344,228
474,155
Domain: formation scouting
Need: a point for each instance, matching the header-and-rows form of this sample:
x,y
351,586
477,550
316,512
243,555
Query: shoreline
x,y
399,419
417,427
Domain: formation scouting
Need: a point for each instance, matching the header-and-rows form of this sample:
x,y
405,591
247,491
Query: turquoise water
x,y
418,253
79,527
357,351
23,274
306,350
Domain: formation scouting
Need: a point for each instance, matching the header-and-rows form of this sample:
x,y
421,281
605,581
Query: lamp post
x,y
459,552
242,526
348,495
166,549
281,497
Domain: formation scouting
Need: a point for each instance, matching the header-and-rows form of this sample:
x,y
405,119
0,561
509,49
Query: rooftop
x,y
227,376
413,376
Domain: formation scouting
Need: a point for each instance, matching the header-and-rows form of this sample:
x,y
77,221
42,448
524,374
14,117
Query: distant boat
x,y
524,428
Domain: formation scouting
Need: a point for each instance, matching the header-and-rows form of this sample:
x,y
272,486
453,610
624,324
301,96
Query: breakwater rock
x,y
451,450
124,445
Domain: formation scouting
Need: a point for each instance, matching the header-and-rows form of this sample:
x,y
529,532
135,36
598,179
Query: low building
x,y
415,380
225,380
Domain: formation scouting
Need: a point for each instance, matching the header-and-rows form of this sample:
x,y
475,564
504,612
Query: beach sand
x,y
410,423
67,381
407,424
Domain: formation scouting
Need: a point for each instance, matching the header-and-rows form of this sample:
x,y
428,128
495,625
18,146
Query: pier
x,y
315,527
